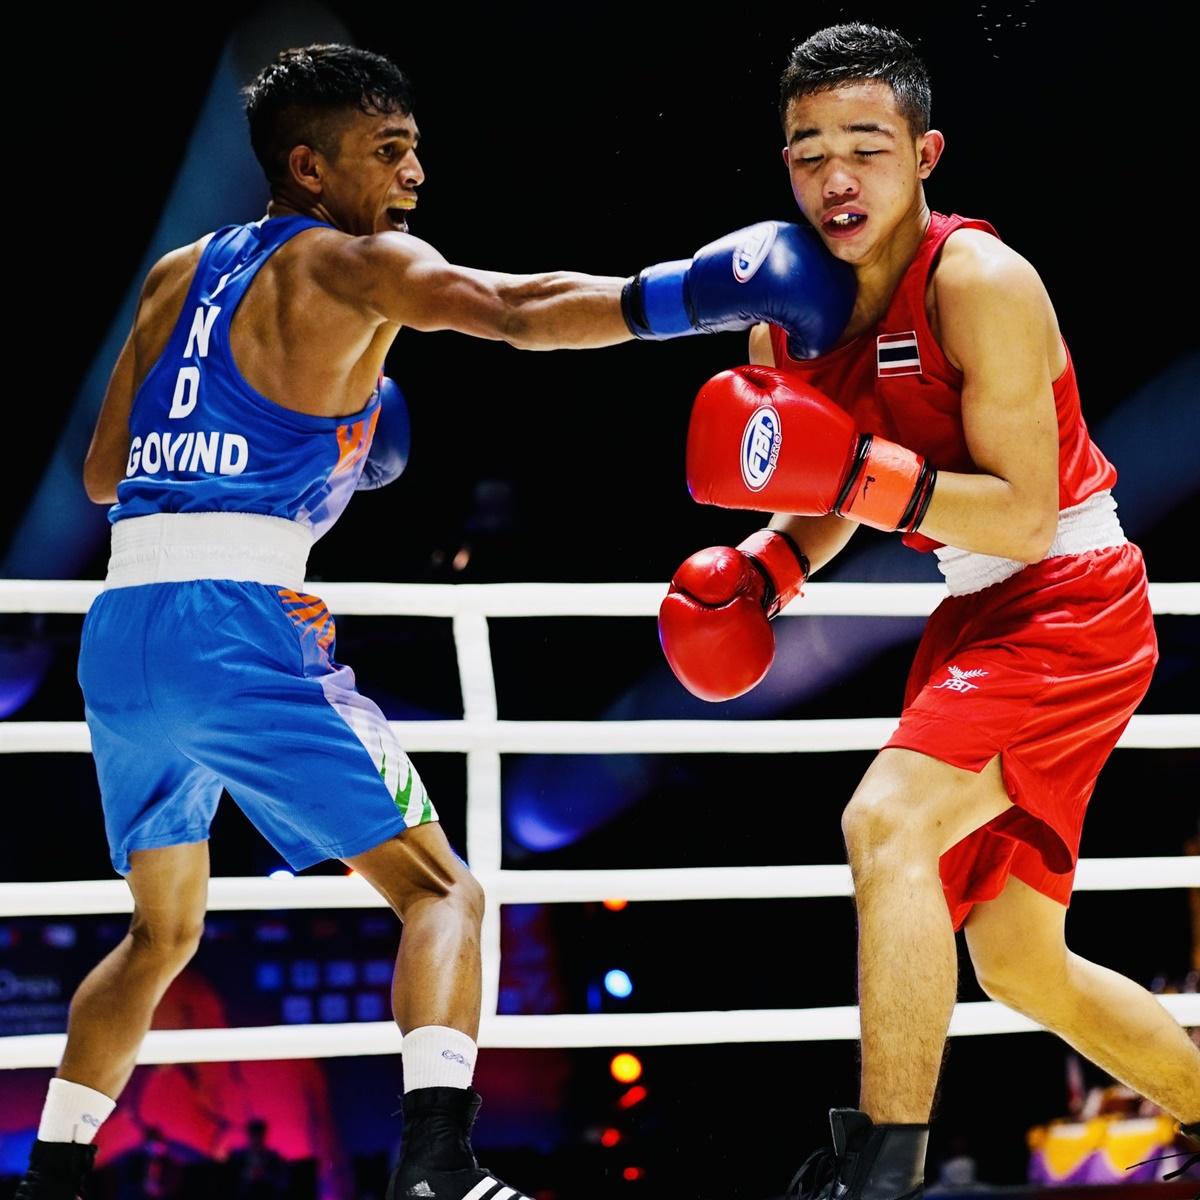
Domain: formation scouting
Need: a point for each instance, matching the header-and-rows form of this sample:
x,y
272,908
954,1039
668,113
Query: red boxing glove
x,y
712,622
763,439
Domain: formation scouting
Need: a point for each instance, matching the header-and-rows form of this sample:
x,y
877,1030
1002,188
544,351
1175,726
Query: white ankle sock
x,y
73,1113
437,1056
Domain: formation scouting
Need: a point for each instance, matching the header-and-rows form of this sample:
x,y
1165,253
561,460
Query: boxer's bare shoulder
x,y
977,272
163,293
973,258
335,343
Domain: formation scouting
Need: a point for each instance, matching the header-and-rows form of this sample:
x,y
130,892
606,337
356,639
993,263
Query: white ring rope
x,y
484,738
562,599
1144,732
566,1031
252,893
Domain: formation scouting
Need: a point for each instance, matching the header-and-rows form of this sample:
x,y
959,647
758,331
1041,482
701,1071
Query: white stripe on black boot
x,y
57,1171
437,1162
867,1162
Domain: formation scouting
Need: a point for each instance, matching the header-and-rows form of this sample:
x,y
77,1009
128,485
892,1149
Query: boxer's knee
x,y
914,807
460,896
418,868
893,814
167,942
1025,981
466,894
878,822
1018,949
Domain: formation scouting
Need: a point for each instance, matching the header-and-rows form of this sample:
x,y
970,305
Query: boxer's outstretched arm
x,y
403,280
820,538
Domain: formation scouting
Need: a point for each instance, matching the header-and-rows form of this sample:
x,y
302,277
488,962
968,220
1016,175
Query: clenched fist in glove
x,y
713,622
388,455
761,438
771,271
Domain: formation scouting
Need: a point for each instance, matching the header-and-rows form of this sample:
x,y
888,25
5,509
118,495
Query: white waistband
x,y
176,547
1092,525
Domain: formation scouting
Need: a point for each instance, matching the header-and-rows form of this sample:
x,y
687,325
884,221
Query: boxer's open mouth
x,y
397,214
844,224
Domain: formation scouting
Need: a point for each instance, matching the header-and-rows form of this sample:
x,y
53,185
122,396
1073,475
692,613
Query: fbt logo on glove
x,y
748,255
760,447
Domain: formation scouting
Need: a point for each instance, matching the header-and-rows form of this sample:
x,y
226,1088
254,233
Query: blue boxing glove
x,y
388,455
771,271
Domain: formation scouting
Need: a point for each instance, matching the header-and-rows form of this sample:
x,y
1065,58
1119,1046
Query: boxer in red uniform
x,y
947,411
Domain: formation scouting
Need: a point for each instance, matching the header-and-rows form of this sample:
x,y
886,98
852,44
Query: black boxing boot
x,y
866,1162
437,1162
57,1171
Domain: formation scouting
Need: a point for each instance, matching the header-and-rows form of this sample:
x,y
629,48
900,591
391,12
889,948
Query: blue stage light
x,y
618,984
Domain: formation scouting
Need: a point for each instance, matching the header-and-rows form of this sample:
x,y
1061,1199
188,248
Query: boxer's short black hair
x,y
855,53
304,95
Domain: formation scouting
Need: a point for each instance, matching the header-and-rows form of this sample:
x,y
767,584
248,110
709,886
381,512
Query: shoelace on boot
x,y
1179,1172
818,1171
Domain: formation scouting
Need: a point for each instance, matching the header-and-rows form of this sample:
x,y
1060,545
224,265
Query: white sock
x,y
73,1113
437,1056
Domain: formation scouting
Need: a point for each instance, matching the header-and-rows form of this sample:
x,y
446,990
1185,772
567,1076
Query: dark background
x,y
602,141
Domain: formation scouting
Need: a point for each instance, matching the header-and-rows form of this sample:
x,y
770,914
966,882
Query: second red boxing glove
x,y
713,622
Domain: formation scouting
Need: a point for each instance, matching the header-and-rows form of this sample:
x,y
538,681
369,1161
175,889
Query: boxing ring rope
x,y
573,1031
562,599
484,738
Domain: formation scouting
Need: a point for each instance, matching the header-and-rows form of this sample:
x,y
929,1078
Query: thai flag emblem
x,y
897,354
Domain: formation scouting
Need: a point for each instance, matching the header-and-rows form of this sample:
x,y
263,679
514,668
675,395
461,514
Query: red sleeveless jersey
x,y
895,381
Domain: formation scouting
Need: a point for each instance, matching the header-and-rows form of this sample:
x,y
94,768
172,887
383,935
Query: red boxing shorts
x,y
1045,669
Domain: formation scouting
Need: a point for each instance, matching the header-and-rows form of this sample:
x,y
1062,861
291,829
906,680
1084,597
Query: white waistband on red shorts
x,y
1092,525
177,547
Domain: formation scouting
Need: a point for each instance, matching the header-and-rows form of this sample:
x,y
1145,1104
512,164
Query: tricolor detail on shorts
x,y
310,615
412,803
317,630
375,734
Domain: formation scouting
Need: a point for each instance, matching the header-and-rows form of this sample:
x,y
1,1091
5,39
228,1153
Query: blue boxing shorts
x,y
193,686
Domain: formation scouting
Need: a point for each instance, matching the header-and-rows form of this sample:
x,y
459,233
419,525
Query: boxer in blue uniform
x,y
245,408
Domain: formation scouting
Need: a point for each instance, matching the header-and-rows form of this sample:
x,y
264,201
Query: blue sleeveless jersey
x,y
203,440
